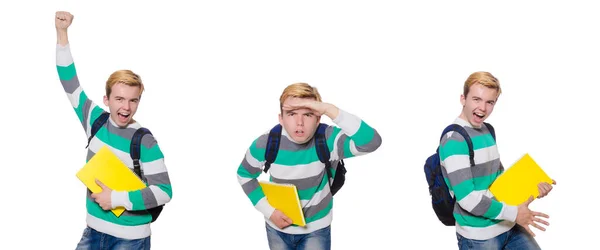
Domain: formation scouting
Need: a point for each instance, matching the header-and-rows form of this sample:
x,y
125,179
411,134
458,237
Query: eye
x,y
308,115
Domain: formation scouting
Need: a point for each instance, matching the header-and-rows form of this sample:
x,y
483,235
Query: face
x,y
122,103
300,124
478,104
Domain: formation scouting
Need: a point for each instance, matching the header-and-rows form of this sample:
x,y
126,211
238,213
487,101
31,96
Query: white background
x,y
214,73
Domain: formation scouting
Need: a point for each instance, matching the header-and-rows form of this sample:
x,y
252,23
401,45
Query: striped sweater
x,y
133,223
478,214
299,164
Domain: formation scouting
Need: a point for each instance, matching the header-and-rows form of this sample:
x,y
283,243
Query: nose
x,y
482,106
126,106
300,120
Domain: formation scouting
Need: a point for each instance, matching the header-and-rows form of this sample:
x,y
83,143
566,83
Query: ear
x,y
106,101
463,100
280,119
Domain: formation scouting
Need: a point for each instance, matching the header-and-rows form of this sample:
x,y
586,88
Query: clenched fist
x,y
63,20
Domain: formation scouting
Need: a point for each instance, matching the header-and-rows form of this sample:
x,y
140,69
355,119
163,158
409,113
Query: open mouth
x,y
478,117
123,117
299,133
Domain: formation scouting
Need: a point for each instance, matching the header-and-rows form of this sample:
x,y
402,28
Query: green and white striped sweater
x,y
131,224
299,164
478,214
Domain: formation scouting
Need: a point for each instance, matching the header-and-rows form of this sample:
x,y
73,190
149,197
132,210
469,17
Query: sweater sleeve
x,y
248,172
86,110
353,137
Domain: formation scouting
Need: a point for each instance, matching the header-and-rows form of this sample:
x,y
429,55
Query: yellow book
x,y
110,170
520,181
284,197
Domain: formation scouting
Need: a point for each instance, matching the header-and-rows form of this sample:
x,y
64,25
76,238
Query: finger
x,y
529,200
540,214
287,220
100,184
538,227
94,196
529,231
541,221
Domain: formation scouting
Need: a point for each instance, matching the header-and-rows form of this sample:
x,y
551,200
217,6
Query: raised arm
x,y
86,110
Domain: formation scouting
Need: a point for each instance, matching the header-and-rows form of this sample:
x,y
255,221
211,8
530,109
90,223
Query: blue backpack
x,y
441,200
134,152
322,153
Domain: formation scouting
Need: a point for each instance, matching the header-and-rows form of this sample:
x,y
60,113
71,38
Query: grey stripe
x,y
250,186
249,168
340,145
261,142
70,85
304,183
477,131
85,113
472,132
160,178
147,141
313,210
371,145
89,156
479,170
482,207
149,198
288,145
454,137
478,210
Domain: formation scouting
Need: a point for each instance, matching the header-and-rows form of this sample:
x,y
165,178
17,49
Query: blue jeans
x,y
94,240
317,240
513,239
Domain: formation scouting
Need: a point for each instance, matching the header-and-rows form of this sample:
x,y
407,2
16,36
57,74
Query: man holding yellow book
x,y
130,230
298,163
482,222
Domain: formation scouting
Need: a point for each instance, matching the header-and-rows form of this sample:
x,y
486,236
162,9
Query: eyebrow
x,y
132,99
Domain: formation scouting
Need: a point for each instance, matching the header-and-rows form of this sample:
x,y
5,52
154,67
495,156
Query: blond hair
x,y
484,78
299,90
126,77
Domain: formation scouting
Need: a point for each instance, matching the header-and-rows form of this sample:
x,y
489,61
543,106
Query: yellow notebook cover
x,y
284,197
520,181
110,170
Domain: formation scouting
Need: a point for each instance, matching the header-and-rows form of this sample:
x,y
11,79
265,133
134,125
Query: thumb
x,y
287,219
99,183
529,200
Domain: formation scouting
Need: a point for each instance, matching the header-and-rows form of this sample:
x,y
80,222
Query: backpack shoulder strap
x,y
272,146
321,143
491,129
323,150
135,149
98,123
463,132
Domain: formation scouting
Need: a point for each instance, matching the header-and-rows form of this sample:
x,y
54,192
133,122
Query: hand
x,y
280,219
319,108
63,20
526,217
545,188
103,198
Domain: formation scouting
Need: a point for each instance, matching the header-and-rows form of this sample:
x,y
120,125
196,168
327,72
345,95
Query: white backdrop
x,y
214,72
